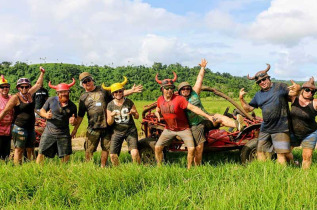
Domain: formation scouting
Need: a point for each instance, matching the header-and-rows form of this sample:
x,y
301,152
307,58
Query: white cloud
x,y
286,22
124,32
84,30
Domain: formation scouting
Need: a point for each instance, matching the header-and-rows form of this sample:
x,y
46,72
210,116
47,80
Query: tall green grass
x,y
221,183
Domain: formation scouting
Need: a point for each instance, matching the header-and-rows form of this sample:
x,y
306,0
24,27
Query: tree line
x,y
60,72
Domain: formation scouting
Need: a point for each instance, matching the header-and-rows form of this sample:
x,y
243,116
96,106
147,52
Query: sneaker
x,y
240,122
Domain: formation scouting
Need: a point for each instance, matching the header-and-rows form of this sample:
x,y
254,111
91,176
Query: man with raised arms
x,y
94,101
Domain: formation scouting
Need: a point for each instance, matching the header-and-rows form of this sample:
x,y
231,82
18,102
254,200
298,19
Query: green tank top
x,y
193,118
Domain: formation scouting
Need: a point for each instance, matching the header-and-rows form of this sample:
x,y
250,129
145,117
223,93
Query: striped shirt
x,y
5,123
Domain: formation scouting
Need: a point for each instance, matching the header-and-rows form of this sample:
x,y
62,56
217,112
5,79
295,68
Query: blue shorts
x,y
23,138
309,142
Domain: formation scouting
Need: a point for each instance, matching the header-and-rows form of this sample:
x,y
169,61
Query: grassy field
x,y
220,183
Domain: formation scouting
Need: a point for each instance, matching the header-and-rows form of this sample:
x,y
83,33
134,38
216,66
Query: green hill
x,y
59,72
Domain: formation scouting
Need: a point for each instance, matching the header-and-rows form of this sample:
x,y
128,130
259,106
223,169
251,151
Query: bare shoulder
x,y
14,97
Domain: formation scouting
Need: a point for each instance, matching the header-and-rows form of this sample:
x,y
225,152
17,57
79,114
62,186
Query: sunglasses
x,y
86,80
309,90
186,88
2,87
261,80
118,91
169,87
24,87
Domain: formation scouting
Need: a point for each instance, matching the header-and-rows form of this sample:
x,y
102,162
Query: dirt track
x,y
78,144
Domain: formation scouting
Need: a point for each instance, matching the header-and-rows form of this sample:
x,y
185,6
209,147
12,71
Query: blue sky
x,y
243,11
235,36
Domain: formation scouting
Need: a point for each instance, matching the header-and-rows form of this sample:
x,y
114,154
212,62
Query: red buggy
x,y
217,139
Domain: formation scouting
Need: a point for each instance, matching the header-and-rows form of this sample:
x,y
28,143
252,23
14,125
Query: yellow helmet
x,y
116,86
3,81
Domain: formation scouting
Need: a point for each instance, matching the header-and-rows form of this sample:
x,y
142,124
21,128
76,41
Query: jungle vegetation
x,y
60,72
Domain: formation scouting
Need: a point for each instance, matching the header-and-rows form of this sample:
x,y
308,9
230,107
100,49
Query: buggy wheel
x,y
147,156
248,152
147,151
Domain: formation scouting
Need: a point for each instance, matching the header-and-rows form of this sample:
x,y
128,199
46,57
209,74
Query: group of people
x,y
17,119
110,118
282,129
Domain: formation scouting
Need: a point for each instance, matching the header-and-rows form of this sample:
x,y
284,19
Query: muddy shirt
x,y
5,123
173,112
124,120
274,105
193,118
24,114
39,97
303,119
95,104
59,124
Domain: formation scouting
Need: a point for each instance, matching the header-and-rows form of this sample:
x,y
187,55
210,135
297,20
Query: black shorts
x,y
50,145
5,146
131,137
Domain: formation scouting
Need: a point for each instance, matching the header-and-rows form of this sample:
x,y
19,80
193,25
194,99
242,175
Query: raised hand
x,y
294,87
49,114
42,69
242,93
72,119
114,113
203,63
137,89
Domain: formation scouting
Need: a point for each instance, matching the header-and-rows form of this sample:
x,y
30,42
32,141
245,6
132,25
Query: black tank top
x,y
303,119
24,114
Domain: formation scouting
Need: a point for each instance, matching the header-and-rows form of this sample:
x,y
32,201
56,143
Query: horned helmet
x,y
166,82
116,86
310,84
61,86
3,81
261,74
